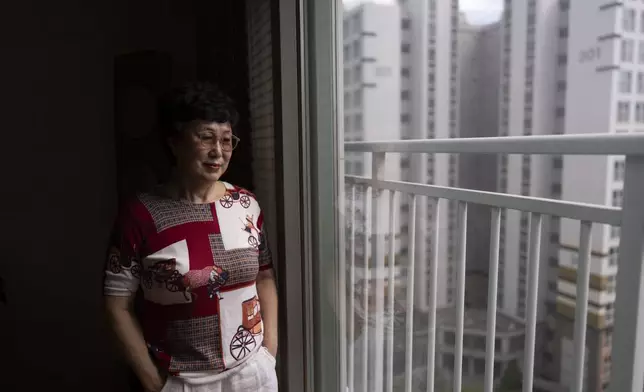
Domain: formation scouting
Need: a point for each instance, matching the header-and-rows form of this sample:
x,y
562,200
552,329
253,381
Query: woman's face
x,y
203,150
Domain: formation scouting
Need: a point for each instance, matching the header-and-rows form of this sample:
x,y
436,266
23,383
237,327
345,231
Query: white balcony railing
x,y
377,299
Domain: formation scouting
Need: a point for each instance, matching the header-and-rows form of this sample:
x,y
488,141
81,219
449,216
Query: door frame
x,y
308,132
289,141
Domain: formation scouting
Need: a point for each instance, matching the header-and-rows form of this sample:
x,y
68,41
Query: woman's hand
x,y
268,304
155,384
130,337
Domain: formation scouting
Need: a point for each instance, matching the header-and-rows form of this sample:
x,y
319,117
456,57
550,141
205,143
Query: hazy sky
x,y
477,11
482,11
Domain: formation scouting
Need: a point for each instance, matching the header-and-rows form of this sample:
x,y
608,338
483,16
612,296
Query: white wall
x,y
587,116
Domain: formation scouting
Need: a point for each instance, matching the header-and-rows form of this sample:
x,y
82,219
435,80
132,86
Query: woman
x,y
197,249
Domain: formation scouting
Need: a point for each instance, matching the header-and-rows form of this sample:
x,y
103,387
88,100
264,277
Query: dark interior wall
x,y
222,49
57,158
59,170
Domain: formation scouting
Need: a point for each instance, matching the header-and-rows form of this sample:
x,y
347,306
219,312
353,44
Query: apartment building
x,y
425,33
508,347
606,53
479,96
372,111
528,96
389,95
430,110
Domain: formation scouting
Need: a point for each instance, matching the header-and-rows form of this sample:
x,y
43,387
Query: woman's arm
x,y
129,335
268,302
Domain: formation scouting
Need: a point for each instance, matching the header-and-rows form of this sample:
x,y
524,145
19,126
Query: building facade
x,y
606,62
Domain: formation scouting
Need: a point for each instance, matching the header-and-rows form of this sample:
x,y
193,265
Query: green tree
x,y
512,379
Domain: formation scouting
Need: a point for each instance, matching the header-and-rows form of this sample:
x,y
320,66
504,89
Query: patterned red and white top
x,y
197,265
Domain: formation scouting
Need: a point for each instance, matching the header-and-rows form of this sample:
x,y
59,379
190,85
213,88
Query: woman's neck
x,y
198,192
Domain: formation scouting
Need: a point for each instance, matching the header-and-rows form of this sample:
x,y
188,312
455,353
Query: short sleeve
x,y
265,256
123,267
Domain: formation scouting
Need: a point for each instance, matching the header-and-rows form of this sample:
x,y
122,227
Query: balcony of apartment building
x,y
470,344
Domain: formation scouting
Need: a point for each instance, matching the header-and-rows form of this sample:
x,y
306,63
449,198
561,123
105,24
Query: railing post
x,y
352,282
492,292
433,283
628,333
533,288
378,242
581,310
460,295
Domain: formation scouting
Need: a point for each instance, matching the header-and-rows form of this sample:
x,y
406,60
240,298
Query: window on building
x,y
627,50
404,72
359,169
404,118
404,48
615,232
608,339
357,74
619,169
618,198
357,122
640,55
553,262
347,123
348,168
562,59
640,83
357,98
642,22
405,23
357,49
357,22
613,255
639,112
628,19
623,111
404,95
552,286
625,81
347,76
561,85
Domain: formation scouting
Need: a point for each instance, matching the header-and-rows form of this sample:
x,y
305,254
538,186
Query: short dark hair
x,y
195,101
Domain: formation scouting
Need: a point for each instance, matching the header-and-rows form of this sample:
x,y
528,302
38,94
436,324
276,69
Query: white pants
x,y
257,374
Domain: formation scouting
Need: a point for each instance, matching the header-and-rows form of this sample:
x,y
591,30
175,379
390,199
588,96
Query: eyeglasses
x,y
209,140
